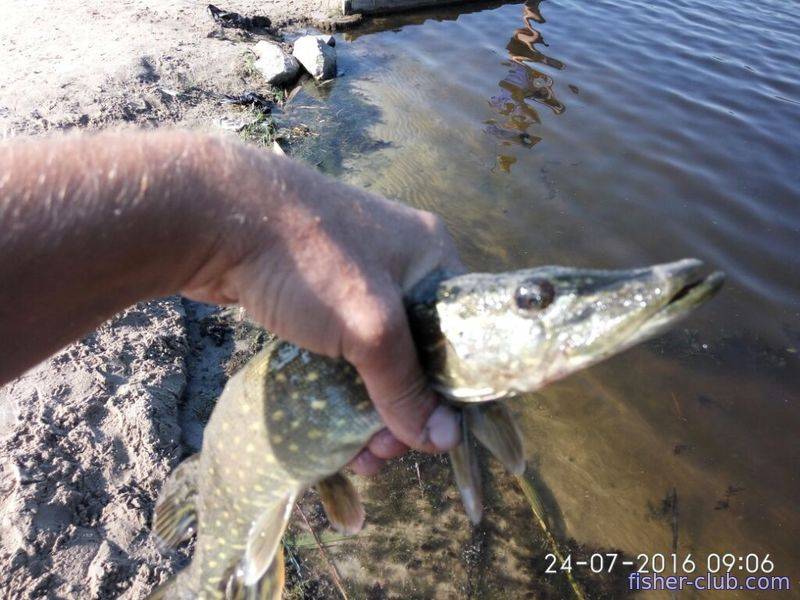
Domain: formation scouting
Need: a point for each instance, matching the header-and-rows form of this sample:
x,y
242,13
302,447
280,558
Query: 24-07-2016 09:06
x,y
660,563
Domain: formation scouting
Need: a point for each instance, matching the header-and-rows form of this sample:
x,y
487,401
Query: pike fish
x,y
290,419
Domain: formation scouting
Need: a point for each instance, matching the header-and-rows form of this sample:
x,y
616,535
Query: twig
x,y
538,511
334,572
419,479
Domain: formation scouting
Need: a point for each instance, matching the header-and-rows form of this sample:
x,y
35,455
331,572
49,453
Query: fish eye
x,y
535,294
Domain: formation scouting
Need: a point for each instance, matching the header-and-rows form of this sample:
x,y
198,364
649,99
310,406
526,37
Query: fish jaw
x,y
488,336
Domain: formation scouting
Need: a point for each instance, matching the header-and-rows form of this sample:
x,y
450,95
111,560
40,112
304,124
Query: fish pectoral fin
x,y
265,538
494,427
175,516
466,471
270,586
341,503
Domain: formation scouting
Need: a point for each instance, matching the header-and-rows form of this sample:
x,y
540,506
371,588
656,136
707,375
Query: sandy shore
x,y
88,64
88,436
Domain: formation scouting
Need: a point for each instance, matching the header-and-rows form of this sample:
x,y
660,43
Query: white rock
x,y
316,56
277,67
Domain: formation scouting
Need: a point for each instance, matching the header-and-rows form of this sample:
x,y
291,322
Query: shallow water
x,y
614,135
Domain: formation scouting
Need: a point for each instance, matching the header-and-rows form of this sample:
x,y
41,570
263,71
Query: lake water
x,y
607,134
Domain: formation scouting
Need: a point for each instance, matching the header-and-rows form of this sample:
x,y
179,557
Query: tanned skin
x,y
92,224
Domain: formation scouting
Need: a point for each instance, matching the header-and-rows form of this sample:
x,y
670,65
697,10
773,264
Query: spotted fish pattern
x,y
254,462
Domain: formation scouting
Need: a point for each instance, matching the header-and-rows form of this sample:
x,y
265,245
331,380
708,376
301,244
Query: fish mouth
x,y
687,288
698,290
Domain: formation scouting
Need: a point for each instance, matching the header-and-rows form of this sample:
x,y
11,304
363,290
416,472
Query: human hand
x,y
325,265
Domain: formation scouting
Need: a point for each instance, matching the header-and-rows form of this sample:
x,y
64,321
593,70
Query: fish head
x,y
488,336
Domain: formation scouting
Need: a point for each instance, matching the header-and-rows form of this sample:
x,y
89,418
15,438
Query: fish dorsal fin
x,y
265,538
342,504
493,426
270,586
467,474
175,516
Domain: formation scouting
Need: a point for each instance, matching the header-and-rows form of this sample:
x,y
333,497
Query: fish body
x,y
286,421
290,419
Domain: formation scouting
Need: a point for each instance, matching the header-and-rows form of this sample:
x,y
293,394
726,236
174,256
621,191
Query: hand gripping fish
x,y
290,419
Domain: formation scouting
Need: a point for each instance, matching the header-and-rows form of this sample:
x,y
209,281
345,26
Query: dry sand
x,y
90,63
88,436
86,439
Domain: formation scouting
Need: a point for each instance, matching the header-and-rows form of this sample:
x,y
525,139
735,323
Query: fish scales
x,y
286,420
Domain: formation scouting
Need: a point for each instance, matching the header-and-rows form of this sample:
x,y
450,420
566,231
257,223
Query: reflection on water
x,y
522,85
681,142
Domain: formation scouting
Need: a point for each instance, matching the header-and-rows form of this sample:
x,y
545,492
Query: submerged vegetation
x,y
261,130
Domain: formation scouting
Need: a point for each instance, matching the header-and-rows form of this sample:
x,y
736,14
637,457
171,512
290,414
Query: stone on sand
x,y
316,55
277,67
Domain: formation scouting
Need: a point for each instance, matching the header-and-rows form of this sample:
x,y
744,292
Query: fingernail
x,y
444,428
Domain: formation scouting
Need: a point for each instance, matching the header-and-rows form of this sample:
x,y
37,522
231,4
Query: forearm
x,y
91,225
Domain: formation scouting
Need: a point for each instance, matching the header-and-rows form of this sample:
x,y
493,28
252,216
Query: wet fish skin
x,y
287,420
291,419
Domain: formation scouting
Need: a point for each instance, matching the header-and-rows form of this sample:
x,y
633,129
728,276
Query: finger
x,y
385,445
380,346
366,463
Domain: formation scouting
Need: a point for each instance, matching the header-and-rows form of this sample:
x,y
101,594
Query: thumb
x,y
381,348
